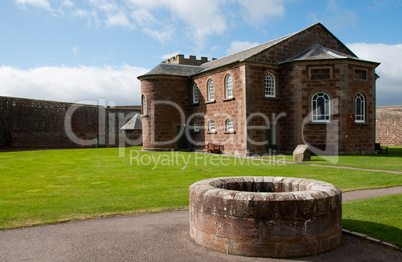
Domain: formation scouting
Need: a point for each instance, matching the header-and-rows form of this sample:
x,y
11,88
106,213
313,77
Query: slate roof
x,y
174,70
134,123
243,55
315,53
319,52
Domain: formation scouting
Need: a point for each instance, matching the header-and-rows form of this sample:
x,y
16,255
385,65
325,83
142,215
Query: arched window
x,y
195,94
211,126
211,90
196,127
229,125
228,87
321,107
144,105
269,85
359,108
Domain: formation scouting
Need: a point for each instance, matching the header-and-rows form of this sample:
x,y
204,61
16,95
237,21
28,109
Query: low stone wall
x,y
266,216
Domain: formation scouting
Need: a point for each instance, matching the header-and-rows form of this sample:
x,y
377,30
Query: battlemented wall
x,y
29,123
389,123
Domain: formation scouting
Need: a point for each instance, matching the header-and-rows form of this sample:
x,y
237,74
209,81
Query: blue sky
x,y
87,50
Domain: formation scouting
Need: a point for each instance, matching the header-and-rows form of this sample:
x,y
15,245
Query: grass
x,y
391,161
378,217
42,187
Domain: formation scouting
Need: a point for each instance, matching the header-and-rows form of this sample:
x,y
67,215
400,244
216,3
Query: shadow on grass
x,y
379,231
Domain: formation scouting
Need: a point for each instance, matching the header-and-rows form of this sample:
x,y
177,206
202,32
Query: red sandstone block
x,y
296,249
287,184
280,231
313,228
303,185
243,205
195,195
208,202
332,223
329,243
285,206
305,204
244,247
322,202
211,241
278,184
336,202
263,208
295,184
204,221
236,227
224,203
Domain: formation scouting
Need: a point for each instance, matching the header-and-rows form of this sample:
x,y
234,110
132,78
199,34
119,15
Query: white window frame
x,y
196,127
144,105
269,85
317,115
229,125
360,118
211,126
228,86
211,90
195,93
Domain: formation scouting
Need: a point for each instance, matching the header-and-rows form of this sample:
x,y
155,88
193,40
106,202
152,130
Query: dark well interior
x,y
256,186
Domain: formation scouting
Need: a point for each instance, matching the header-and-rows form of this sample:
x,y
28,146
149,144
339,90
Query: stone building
x,y
306,87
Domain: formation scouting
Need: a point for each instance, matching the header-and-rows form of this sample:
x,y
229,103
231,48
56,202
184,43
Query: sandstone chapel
x,y
303,88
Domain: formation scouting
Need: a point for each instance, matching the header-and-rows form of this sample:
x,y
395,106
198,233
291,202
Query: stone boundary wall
x,y
30,123
389,125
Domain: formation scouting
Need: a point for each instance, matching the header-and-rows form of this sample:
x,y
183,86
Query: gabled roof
x,y
243,55
134,123
249,53
246,55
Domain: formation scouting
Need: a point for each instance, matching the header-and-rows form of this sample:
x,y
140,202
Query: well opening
x,y
262,187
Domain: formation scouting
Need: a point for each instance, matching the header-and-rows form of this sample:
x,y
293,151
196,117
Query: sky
x,y
92,51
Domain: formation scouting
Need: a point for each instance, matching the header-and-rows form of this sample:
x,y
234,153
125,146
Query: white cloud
x,y
237,46
162,35
36,3
257,11
197,19
75,50
118,19
73,84
335,17
143,17
67,3
389,85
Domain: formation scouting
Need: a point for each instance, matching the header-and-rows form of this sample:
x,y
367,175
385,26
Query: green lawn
x,y
391,161
40,187
378,217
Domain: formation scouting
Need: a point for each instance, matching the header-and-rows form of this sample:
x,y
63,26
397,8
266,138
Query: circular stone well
x,y
266,216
